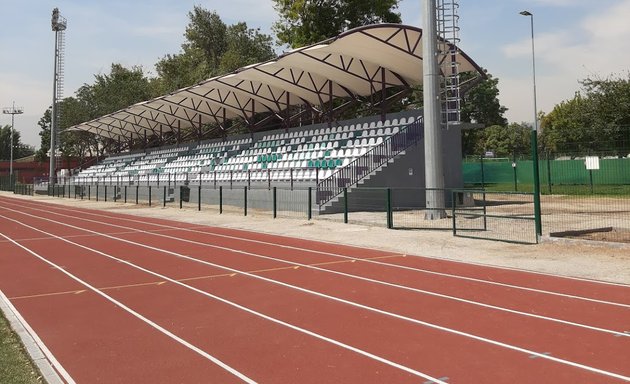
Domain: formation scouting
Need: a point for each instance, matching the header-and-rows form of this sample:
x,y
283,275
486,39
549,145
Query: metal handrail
x,y
362,166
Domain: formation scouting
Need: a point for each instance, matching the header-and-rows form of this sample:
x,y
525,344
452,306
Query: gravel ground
x,y
576,258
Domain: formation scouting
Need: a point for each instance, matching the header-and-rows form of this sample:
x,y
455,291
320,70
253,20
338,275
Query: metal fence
x,y
583,197
7,182
560,175
503,216
475,214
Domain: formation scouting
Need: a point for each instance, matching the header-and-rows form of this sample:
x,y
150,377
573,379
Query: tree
x,y
110,92
304,22
480,104
245,46
118,89
597,118
19,149
505,141
211,48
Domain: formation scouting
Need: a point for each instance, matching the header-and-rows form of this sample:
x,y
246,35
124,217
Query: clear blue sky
x,y
574,39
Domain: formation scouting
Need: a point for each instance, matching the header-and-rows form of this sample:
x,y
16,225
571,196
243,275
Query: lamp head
x,y
526,13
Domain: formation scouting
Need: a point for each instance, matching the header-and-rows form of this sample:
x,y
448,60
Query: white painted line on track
x,y
132,312
53,368
419,270
87,212
218,298
381,282
319,294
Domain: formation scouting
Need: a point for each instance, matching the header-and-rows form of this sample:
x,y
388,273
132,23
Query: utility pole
x,y
12,111
59,25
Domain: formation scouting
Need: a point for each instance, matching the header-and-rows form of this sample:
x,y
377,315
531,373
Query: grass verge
x,y
15,365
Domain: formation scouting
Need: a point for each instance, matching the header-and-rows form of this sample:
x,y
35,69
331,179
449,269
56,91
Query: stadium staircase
x,y
359,172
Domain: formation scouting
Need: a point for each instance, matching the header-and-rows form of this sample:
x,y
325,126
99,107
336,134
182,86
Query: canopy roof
x,y
357,63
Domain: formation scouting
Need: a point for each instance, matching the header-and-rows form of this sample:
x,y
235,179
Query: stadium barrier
x,y
502,216
7,182
563,175
507,215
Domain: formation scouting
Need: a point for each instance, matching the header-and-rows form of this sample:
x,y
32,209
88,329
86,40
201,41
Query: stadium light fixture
x,y
537,210
12,111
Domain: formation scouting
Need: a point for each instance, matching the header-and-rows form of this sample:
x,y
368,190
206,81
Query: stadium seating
x,y
305,155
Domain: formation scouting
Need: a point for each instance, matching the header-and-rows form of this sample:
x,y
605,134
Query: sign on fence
x,y
592,162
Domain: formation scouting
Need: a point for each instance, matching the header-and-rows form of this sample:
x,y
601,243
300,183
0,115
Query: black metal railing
x,y
351,174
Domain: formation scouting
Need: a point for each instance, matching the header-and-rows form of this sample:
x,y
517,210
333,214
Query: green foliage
x,y
480,104
109,93
596,118
245,46
212,48
304,22
19,149
504,141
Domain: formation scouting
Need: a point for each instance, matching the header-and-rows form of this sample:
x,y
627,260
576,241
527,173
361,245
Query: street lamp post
x,y
12,111
537,211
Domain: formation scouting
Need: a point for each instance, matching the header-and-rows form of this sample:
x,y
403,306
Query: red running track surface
x,y
123,299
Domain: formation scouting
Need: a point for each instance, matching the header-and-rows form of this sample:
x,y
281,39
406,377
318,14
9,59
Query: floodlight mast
x,y
59,25
12,111
433,167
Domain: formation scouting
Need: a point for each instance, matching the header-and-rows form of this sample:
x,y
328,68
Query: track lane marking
x,y
38,295
397,266
403,287
218,298
136,314
122,216
87,235
38,341
315,293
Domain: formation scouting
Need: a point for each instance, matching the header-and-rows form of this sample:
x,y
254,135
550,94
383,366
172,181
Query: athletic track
x,y
123,299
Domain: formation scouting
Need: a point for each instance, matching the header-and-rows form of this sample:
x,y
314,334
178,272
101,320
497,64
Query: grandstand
x,y
313,156
376,64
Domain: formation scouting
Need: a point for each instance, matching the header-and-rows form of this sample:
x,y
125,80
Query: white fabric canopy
x,y
357,63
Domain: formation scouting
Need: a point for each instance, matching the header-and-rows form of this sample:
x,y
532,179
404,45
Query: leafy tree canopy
x,y
480,104
503,140
304,22
19,149
211,48
108,93
596,118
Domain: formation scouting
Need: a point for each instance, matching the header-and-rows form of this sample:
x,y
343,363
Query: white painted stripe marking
x,y
376,261
381,282
333,298
225,301
192,229
132,312
53,360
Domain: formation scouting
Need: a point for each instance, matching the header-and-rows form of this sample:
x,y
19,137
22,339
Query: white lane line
x,y
397,266
198,227
57,368
220,299
319,294
398,286
132,312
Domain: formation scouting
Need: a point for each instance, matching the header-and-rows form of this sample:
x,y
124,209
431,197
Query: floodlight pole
x,y
433,165
12,111
537,210
59,25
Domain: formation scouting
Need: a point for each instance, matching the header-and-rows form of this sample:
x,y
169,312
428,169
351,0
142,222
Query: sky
x,y
574,39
